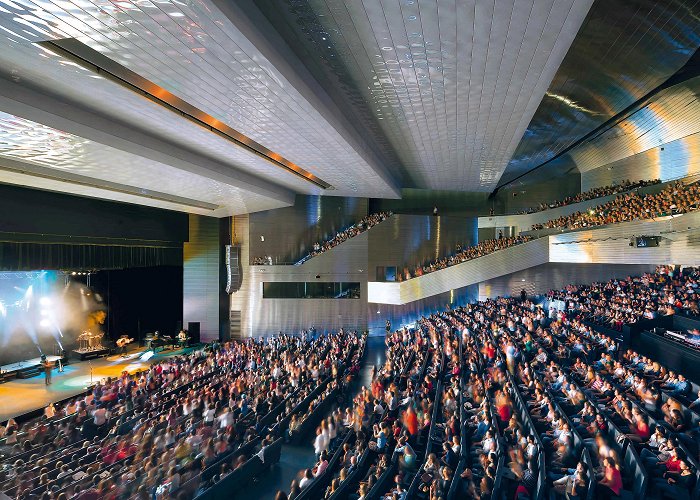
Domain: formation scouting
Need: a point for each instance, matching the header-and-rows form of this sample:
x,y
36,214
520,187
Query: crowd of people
x,y
178,428
618,302
496,398
591,194
359,227
464,254
505,398
676,198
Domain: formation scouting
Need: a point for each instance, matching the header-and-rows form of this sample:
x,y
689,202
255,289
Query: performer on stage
x,y
48,366
122,342
182,338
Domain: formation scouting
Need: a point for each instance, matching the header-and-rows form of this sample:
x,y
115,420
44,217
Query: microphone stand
x,y
91,384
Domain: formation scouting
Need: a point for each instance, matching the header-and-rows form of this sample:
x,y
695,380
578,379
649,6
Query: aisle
x,y
296,458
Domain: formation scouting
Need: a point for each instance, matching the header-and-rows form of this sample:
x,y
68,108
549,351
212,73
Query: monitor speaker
x,y
234,274
193,332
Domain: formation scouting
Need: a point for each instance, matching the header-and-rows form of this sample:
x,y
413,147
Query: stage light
x,y
44,312
45,301
45,323
74,273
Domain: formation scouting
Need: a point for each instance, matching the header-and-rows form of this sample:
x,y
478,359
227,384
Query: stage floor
x,y
21,396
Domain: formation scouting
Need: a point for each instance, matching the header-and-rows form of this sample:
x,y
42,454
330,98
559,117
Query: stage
x,y
25,369
21,396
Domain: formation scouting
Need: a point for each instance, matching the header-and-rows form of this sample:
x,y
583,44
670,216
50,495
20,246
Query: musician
x,y
48,366
182,338
122,342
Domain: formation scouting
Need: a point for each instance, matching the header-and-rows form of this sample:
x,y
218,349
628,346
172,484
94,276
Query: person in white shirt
x,y
99,416
208,415
308,477
320,443
225,419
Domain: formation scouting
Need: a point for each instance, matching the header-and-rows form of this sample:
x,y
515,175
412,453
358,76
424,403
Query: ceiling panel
x,y
37,144
625,49
451,84
194,51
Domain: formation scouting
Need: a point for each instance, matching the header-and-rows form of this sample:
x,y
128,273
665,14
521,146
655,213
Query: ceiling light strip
x,y
89,58
19,167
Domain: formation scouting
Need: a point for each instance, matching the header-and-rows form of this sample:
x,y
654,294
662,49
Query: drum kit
x,y
90,341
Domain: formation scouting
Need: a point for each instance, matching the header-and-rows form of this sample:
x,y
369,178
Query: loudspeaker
x,y
193,332
234,274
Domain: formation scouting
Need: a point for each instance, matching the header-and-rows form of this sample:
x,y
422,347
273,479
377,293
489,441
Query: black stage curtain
x,y
15,256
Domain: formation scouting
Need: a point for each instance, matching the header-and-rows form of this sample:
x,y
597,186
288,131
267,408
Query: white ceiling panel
x,y
193,51
43,146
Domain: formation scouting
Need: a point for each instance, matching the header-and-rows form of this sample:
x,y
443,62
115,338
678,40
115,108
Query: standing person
x,y
388,327
523,295
47,370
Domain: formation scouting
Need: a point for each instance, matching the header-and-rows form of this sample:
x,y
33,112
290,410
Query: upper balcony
x,y
679,243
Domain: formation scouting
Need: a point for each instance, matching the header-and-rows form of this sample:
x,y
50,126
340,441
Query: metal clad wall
x,y
678,159
289,233
345,263
468,273
537,188
541,279
679,245
201,276
409,240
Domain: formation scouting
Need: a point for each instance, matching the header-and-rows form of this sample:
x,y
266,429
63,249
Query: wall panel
x,y
201,279
410,240
541,279
287,234
680,243
668,161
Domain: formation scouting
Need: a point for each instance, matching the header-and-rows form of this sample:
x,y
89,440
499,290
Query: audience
x,y
591,194
500,398
676,198
152,434
463,255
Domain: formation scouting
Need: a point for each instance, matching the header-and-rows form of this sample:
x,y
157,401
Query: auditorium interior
x,y
349,249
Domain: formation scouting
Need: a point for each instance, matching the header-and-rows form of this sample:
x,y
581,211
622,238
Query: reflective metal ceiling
x,y
66,158
370,96
452,85
624,49
192,50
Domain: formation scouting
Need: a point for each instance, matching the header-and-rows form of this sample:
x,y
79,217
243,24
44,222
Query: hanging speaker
x,y
234,274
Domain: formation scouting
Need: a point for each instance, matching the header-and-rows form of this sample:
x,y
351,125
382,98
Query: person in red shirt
x,y
411,421
641,430
611,484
